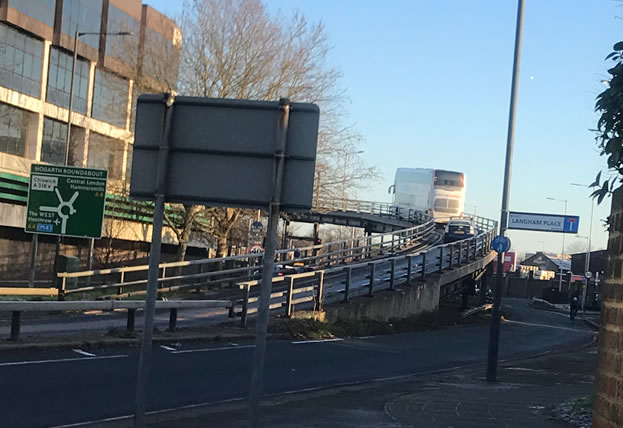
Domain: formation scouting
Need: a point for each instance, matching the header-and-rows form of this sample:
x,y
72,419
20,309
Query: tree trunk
x,y
181,250
222,246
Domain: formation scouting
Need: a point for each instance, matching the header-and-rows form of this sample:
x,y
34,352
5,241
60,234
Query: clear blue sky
x,y
429,86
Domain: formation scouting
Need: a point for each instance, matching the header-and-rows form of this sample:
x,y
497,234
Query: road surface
x,y
65,387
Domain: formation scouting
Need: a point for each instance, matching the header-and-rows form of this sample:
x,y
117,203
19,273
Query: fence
x,y
313,289
16,308
131,280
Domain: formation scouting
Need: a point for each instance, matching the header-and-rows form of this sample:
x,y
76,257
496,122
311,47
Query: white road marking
x,y
546,325
300,342
168,348
366,337
61,360
225,348
85,353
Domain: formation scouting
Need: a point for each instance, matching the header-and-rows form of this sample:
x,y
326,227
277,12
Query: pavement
x,y
88,387
528,393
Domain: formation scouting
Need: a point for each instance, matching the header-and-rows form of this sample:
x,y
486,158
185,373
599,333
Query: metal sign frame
x,y
278,139
221,152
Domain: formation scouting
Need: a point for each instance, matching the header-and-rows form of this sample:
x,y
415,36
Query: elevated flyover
x,y
373,217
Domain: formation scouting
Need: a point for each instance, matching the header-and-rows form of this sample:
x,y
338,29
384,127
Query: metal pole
x,y
259,354
562,257
494,334
71,97
57,248
33,260
587,262
144,361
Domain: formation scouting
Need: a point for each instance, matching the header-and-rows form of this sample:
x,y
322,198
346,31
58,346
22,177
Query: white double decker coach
x,y
435,191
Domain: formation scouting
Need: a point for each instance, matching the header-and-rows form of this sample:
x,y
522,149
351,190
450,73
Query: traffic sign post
x,y
269,147
66,201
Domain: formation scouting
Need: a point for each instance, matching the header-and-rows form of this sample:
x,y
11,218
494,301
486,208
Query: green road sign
x,y
66,201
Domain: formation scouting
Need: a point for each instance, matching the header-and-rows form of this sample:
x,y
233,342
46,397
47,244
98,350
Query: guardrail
x,y
130,281
381,209
16,308
340,284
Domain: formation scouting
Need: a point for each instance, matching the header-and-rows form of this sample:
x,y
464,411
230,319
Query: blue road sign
x,y
501,244
543,222
571,224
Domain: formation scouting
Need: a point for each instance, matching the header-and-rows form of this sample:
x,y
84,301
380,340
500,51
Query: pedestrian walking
x,y
573,307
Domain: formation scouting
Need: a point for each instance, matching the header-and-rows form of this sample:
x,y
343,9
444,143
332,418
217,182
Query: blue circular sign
x,y
501,244
256,227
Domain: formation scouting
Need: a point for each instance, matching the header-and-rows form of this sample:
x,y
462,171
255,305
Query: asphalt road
x,y
61,387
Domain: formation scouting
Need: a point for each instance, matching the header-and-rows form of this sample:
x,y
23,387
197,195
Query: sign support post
x,y
144,362
259,354
494,334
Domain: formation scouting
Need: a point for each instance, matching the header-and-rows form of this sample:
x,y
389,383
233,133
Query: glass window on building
x,y
20,61
124,48
41,10
161,57
84,16
106,153
59,81
13,130
110,98
53,146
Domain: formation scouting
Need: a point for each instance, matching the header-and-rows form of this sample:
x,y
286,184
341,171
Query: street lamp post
x,y
496,313
562,256
77,35
587,262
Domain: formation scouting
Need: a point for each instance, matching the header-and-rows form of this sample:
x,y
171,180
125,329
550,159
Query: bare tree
x,y
237,49
576,246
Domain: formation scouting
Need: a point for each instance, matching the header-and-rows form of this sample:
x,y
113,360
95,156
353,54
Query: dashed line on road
x,y
300,342
85,353
224,348
60,360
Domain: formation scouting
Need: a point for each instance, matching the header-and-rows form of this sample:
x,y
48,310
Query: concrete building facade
x,y
36,48
36,58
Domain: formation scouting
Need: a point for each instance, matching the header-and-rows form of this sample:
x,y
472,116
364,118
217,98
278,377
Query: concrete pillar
x,y
90,88
128,107
608,407
34,141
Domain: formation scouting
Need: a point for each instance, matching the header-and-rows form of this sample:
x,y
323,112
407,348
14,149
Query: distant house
x,y
543,266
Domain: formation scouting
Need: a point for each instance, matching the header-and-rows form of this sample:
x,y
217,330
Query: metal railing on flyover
x,y
313,289
16,308
130,281
381,209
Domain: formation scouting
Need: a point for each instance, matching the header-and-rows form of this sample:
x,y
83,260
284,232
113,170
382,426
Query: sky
x,y
428,85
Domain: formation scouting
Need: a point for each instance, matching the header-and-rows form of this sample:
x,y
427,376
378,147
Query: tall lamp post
x,y
563,242
77,35
496,313
587,262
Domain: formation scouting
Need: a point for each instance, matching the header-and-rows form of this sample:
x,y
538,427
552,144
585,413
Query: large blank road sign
x,y
66,201
544,222
222,152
